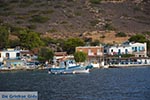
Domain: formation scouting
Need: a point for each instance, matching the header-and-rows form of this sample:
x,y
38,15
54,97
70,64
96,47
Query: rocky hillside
x,y
83,18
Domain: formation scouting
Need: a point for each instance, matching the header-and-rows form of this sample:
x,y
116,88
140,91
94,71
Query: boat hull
x,y
70,70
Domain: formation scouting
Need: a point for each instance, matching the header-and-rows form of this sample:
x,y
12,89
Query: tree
x,y
29,39
14,43
80,56
109,27
95,1
121,34
45,54
48,40
4,37
71,43
148,47
138,38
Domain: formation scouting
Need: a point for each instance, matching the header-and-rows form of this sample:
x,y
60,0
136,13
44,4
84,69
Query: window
x,y
139,48
98,50
105,51
17,54
80,50
135,49
89,51
126,51
111,50
142,48
7,55
119,51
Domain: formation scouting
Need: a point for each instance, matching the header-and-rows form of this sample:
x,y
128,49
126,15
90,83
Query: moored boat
x,y
69,67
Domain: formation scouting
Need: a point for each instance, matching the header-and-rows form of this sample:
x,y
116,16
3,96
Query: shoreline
x,y
11,70
38,69
129,65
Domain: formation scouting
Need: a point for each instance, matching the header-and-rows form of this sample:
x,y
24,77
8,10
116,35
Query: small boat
x,y
69,67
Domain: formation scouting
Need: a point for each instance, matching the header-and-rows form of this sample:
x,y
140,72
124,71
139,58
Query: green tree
x,y
138,38
109,27
121,34
95,1
29,39
39,19
71,43
80,56
14,43
4,37
45,54
48,40
148,47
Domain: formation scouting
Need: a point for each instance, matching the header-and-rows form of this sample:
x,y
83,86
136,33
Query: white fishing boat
x,y
69,67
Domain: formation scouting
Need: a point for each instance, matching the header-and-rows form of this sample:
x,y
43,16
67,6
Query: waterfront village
x,y
125,54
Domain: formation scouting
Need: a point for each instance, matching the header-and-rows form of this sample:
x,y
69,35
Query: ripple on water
x,y
100,84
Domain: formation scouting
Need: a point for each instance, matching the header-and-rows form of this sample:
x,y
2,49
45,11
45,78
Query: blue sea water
x,y
99,84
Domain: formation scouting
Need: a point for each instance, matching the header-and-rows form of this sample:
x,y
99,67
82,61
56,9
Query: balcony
x,y
99,54
90,54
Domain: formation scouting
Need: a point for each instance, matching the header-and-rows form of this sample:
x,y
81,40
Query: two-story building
x,y
94,53
16,58
14,54
9,54
137,49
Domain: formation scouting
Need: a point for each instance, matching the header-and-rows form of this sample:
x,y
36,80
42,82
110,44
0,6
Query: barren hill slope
x,y
65,18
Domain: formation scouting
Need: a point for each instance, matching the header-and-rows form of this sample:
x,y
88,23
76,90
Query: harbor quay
x,y
127,54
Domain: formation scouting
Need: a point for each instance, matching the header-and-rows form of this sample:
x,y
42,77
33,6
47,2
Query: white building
x,y
137,49
9,54
116,50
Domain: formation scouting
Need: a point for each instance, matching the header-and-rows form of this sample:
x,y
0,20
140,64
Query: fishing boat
x,y
69,67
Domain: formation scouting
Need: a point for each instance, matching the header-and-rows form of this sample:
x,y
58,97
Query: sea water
x,y
99,84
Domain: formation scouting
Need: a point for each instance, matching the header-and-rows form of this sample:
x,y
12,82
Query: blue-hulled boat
x,y
69,67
